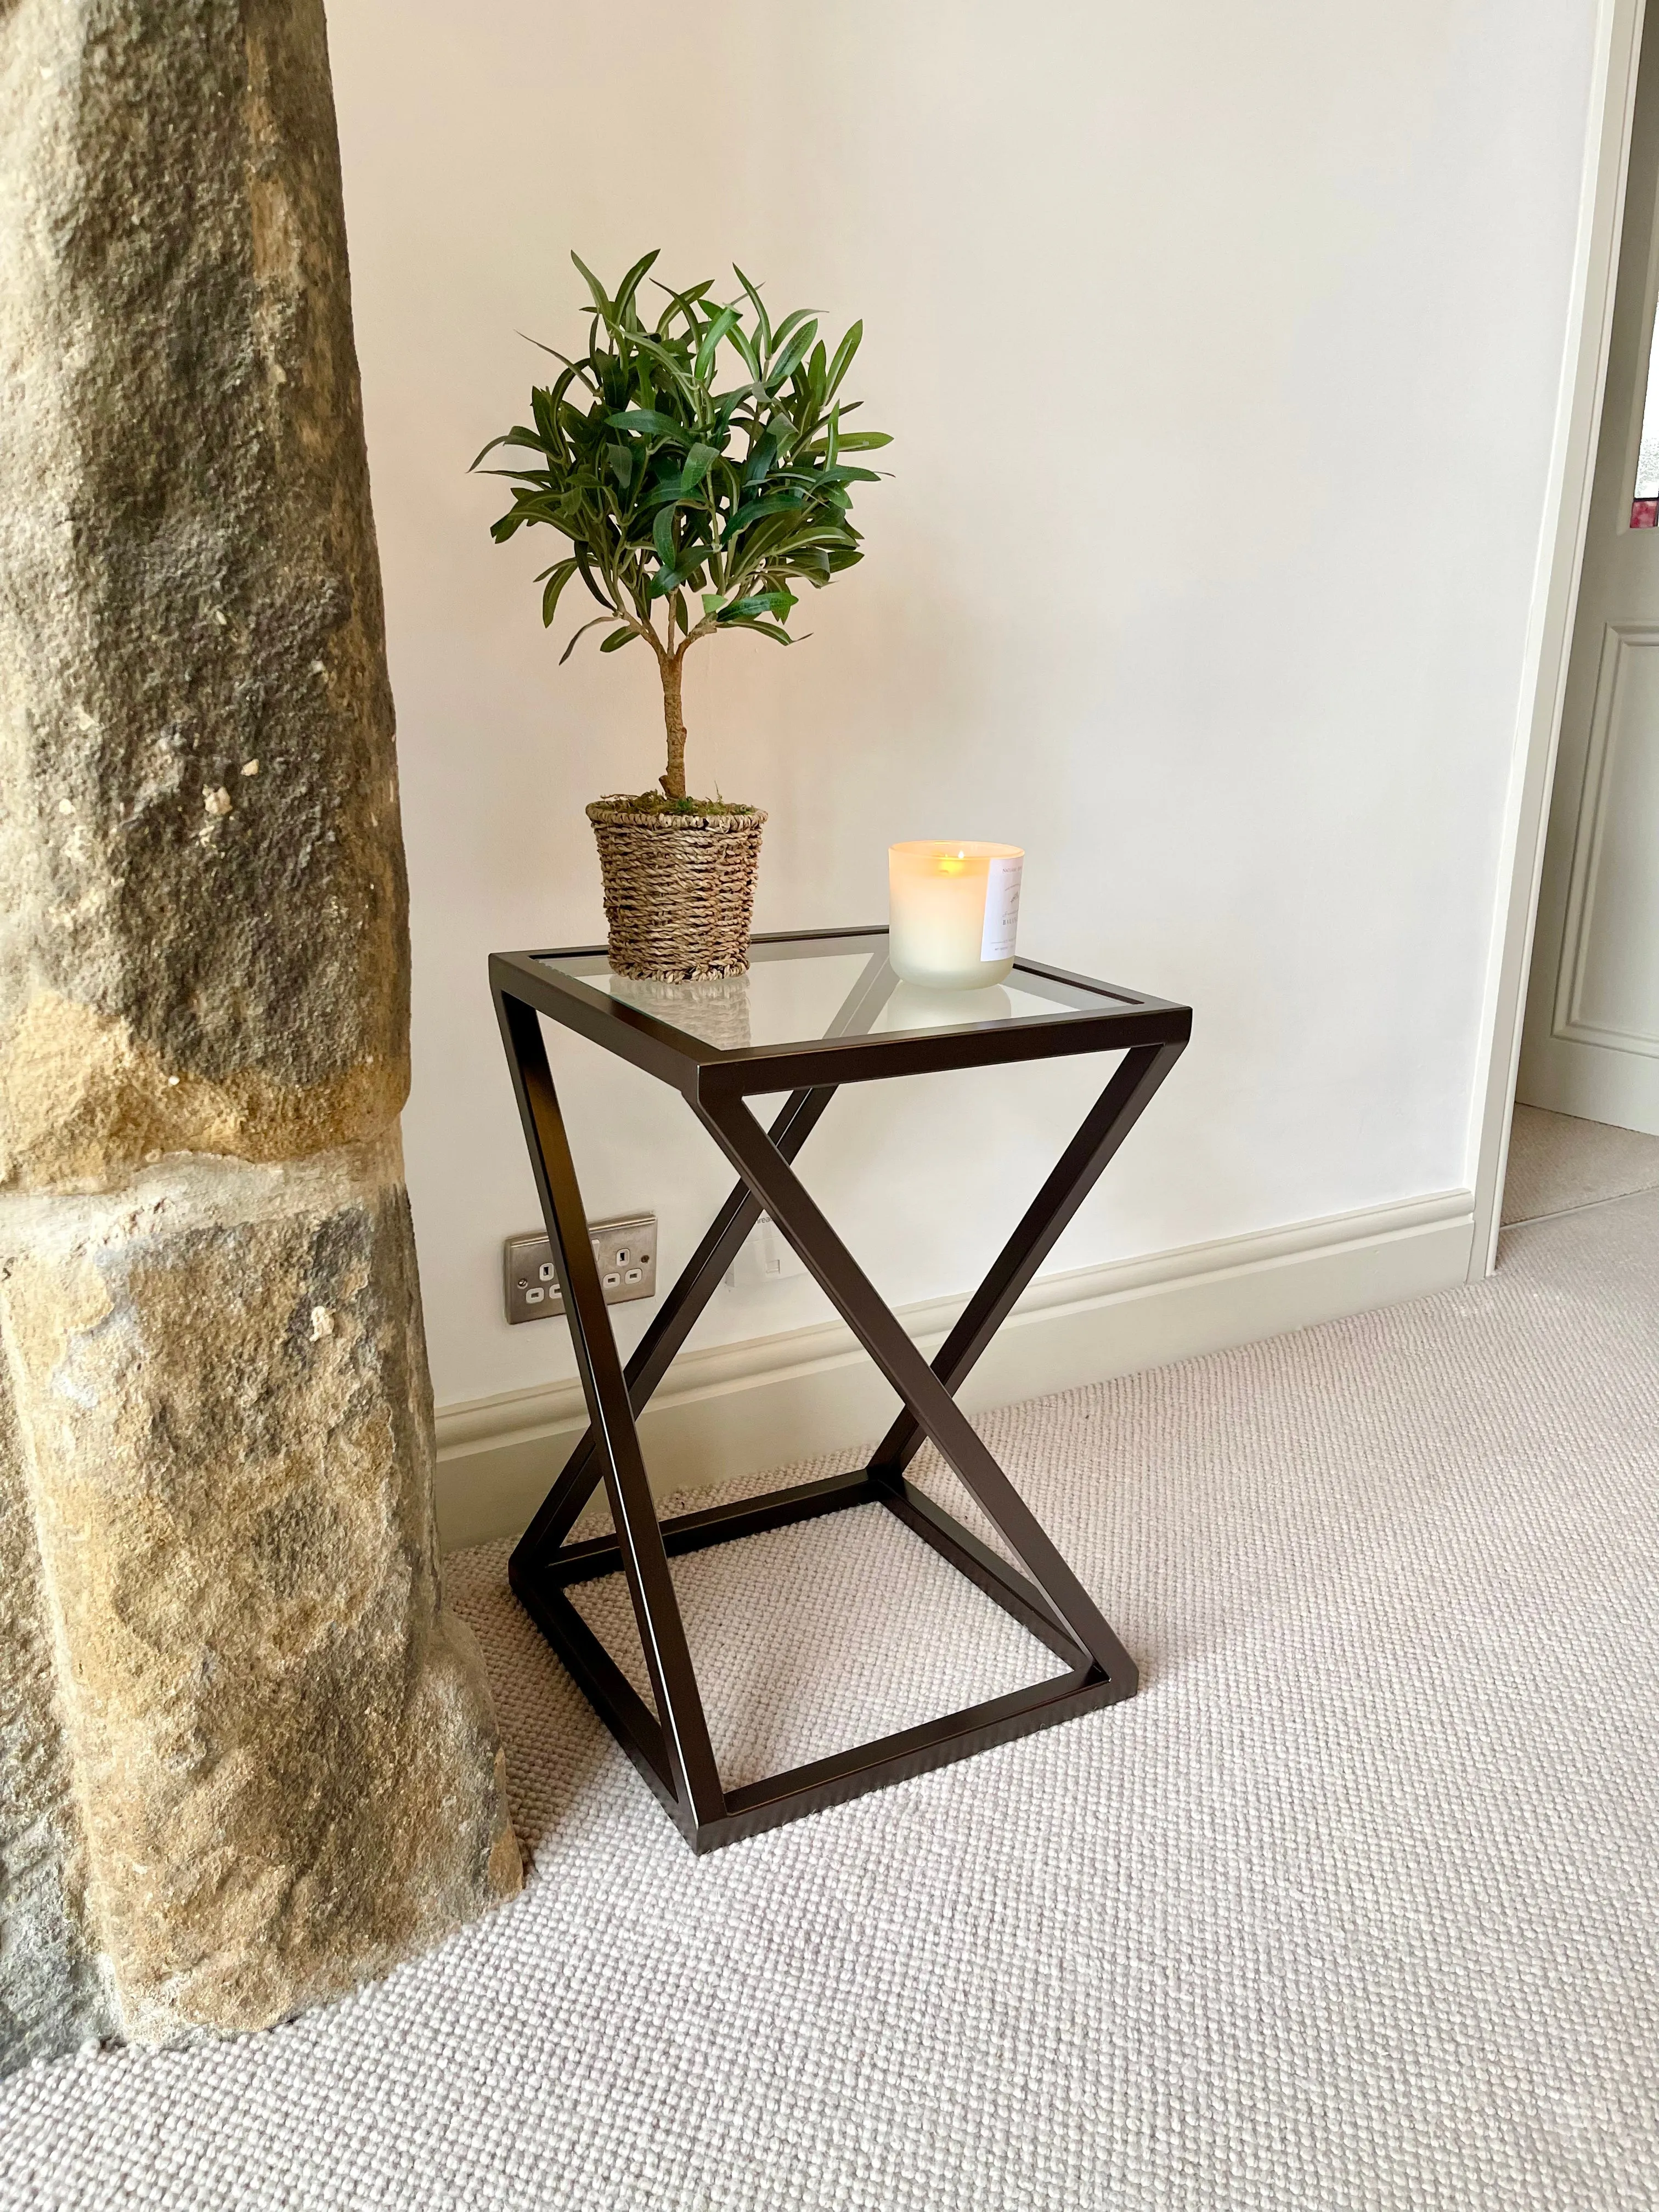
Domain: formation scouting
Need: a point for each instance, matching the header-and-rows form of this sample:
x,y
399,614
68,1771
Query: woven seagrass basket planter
x,y
679,889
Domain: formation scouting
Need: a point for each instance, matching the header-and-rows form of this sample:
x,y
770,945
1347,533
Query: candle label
x,y
1001,909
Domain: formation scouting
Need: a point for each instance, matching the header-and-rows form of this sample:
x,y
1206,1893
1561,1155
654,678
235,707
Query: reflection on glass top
x,y
816,987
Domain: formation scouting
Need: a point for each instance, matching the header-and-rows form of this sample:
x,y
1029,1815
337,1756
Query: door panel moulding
x,y
1549,635
1572,1019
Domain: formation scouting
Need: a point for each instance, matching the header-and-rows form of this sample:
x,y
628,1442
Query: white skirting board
x,y
740,1408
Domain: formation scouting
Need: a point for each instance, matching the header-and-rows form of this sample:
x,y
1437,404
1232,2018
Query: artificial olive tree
x,y
671,487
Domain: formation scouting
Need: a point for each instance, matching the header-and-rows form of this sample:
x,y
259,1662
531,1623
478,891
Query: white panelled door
x,y
1591,1042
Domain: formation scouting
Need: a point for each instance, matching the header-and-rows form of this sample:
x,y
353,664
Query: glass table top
x,y
803,989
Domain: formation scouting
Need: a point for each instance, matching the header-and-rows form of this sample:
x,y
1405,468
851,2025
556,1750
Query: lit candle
x,y
952,912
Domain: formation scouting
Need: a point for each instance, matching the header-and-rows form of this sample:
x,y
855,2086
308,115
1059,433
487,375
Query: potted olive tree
x,y
692,506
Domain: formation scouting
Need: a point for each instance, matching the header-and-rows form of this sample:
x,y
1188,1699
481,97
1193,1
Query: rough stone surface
x,y
249,1759
51,1993
202,943
287,1764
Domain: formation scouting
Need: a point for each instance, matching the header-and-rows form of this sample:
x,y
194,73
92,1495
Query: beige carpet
x,y
1558,1162
1353,1909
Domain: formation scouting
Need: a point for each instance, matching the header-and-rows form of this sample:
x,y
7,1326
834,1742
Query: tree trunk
x,y
674,782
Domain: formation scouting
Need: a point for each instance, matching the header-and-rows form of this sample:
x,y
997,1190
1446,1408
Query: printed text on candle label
x,y
1001,909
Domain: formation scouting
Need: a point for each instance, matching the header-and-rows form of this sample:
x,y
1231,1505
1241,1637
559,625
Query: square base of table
x,y
758,1806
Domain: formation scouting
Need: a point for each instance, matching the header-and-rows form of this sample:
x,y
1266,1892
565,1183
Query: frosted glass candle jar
x,y
951,912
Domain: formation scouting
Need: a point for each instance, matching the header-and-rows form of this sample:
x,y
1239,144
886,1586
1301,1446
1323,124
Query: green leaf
x,y
779,336
762,602
766,629
557,577
745,348
554,350
711,340
760,459
698,462
630,284
826,532
608,615
863,441
680,303
662,536
562,384
763,325
775,503
790,359
517,435
586,575
842,360
617,638
645,422
593,286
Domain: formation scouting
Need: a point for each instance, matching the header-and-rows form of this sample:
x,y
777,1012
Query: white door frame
x,y
1555,595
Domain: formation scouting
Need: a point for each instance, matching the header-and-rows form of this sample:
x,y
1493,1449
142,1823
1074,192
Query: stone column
x,y
249,1759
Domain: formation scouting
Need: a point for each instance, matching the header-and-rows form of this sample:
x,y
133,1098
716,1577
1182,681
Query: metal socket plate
x,y
624,1251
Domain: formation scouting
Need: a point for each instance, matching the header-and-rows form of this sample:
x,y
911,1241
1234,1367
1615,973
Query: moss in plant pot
x,y
674,487
657,802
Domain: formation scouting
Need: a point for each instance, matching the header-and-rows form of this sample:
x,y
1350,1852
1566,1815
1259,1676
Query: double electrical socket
x,y
624,1251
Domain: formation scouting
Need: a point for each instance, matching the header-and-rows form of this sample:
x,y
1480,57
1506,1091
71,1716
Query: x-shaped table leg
x,y
672,1745
701,1276
930,1407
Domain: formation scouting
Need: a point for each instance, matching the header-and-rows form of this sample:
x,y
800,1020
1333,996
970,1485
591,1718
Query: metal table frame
x,y
674,1752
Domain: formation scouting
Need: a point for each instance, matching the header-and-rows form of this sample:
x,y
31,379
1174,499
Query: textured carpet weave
x,y
1354,1906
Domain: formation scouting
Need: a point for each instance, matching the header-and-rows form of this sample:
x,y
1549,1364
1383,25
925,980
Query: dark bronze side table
x,y
815,1011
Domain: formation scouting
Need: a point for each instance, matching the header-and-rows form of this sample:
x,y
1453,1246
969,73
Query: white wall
x,y
1220,346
